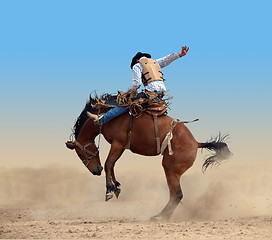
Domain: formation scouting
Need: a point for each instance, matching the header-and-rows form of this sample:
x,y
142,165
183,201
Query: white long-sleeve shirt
x,y
158,86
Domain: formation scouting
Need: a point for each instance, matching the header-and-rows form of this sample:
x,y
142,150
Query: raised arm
x,y
165,61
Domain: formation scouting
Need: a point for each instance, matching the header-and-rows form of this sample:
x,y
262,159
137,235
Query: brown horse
x,y
142,141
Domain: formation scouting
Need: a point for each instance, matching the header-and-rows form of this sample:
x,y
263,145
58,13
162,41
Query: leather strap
x,y
158,142
129,132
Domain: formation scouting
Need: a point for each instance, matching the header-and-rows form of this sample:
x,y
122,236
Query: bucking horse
x,y
151,133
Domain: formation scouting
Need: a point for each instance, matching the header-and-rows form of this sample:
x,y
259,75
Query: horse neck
x,y
88,132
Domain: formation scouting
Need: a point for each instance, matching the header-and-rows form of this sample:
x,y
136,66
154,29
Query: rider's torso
x,y
151,71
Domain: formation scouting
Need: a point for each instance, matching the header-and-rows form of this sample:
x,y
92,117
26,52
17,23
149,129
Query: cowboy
x,y
147,71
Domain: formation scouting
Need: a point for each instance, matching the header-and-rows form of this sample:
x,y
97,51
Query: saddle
x,y
144,102
150,102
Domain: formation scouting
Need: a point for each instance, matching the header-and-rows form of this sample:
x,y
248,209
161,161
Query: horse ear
x,y
70,145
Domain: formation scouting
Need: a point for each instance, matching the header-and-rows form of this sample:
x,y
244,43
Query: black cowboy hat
x,y
137,57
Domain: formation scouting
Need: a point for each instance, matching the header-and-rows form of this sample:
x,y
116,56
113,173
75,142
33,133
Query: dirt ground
x,y
59,223
49,203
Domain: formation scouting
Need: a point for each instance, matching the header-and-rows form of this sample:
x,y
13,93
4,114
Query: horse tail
x,y
220,149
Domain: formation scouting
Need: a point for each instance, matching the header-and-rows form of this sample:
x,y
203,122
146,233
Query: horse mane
x,y
83,115
89,107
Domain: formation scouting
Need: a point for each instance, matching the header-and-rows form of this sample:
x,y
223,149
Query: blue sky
x,y
54,53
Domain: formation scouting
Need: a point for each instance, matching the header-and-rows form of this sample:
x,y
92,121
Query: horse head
x,y
89,155
84,134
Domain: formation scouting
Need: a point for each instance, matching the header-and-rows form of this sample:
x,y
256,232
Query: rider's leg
x,y
113,113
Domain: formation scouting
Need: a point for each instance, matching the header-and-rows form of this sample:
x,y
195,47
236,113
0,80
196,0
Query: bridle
x,y
86,153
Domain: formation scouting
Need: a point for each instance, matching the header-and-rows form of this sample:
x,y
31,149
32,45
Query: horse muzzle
x,y
97,171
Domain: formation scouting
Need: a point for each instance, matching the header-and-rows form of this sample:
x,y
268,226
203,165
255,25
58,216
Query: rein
x,y
85,152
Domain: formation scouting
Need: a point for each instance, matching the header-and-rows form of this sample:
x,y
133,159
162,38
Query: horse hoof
x,y
108,196
157,218
117,192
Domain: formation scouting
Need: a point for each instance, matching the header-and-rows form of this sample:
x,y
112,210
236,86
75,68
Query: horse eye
x,y
80,155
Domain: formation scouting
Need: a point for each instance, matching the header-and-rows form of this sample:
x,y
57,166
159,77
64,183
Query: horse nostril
x,y
97,171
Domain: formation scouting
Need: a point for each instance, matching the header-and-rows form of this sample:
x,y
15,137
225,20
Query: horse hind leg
x,y
173,170
173,181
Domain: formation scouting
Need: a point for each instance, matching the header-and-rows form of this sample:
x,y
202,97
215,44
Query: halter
x,y
85,151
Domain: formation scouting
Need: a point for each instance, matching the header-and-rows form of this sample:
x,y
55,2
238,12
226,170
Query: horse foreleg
x,y
117,185
112,186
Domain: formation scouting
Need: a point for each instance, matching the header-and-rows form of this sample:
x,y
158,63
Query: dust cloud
x,y
230,191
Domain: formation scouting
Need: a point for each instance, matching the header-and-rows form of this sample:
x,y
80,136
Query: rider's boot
x,y
95,118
